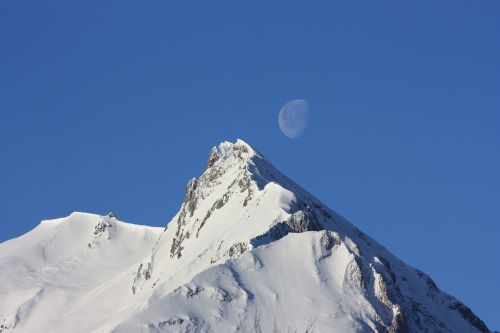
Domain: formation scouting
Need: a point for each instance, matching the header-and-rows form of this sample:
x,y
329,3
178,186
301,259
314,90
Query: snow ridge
x,y
249,249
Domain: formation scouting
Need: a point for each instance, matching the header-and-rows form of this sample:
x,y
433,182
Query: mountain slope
x,y
48,273
248,250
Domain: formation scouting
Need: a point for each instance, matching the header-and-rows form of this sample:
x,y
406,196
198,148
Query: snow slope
x,y
48,274
248,251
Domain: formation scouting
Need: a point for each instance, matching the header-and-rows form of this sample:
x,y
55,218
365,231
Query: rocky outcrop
x,y
187,211
299,221
239,179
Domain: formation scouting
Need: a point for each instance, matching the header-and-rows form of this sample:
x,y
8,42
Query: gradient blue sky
x,y
113,106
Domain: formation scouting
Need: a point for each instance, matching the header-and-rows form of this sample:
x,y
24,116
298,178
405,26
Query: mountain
x,y
248,251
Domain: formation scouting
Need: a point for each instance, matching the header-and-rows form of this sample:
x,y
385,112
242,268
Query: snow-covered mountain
x,y
249,251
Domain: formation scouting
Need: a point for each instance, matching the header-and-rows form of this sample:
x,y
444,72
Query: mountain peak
x,y
242,231
228,150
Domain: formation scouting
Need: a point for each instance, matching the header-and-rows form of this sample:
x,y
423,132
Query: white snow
x,y
248,248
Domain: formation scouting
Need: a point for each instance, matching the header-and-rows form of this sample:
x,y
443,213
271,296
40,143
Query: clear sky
x,y
114,106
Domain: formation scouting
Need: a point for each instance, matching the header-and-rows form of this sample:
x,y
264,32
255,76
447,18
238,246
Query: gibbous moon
x,y
293,118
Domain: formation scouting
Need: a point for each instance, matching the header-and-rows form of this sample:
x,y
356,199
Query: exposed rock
x,y
136,278
147,272
171,322
101,227
399,323
176,249
300,221
111,216
329,240
354,276
236,250
224,296
213,158
187,211
191,198
4,327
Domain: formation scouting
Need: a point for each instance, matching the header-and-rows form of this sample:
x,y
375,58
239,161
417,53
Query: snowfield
x,y
248,251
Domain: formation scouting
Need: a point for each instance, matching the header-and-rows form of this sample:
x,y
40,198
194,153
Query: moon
x,y
293,118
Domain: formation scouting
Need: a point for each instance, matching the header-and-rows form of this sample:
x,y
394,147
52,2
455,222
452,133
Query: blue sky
x,y
114,106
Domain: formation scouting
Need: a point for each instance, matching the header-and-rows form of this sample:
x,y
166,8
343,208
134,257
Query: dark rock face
x,y
136,278
146,273
187,210
176,249
244,184
237,250
101,227
213,158
171,322
300,221
191,199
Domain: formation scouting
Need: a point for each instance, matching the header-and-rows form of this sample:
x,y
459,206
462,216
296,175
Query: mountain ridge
x,y
238,222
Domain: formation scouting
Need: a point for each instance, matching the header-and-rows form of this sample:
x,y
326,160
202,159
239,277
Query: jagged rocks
x,y
233,252
399,323
171,322
191,198
213,158
187,211
380,289
147,272
176,324
4,327
300,221
328,240
101,227
101,231
136,278
189,292
225,296
176,249
236,250
354,278
141,273
111,216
